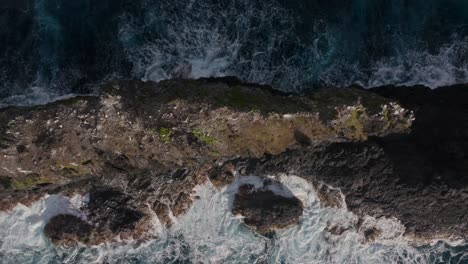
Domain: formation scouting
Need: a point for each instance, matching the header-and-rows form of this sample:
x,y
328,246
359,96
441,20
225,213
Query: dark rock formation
x,y
68,230
140,148
112,210
109,213
265,210
420,177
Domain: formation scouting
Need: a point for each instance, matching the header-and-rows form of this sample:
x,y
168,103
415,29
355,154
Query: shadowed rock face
x,y
264,210
373,184
68,230
112,210
109,213
141,148
419,177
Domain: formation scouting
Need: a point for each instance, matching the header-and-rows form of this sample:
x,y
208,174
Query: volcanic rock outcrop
x,y
265,210
140,148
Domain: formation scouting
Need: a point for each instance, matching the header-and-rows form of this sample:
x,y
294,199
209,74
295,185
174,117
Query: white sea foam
x,y
35,95
257,41
446,66
421,67
248,40
209,233
21,234
213,37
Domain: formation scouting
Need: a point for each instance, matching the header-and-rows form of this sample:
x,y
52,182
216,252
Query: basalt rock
x,y
140,148
112,210
108,214
265,210
68,230
419,177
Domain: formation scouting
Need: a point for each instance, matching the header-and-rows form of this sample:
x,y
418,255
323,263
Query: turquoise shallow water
x,y
209,233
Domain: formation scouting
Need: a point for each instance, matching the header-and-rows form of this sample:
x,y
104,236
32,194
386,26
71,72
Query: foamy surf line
x,y
210,233
290,47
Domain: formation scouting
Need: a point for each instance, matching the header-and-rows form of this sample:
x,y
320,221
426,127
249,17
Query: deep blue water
x,y
50,48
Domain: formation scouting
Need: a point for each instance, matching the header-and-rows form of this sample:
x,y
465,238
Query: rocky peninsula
x,y
139,149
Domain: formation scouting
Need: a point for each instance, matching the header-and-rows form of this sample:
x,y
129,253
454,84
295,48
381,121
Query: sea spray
x,y
55,48
210,233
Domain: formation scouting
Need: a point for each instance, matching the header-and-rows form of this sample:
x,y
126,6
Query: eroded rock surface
x,y
68,230
108,215
418,177
265,210
112,210
144,146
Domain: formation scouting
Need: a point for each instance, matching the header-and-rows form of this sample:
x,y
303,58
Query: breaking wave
x,y
62,47
209,233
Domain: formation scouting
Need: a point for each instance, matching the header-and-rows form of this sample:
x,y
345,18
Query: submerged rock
x,y
265,210
140,148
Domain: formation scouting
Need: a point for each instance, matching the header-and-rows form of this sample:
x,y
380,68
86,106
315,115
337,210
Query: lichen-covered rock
x,y
178,122
388,150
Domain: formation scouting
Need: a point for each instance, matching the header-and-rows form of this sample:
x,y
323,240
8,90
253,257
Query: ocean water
x,y
52,48
209,233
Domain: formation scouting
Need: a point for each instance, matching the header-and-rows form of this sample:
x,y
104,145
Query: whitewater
x,y
63,48
56,49
209,233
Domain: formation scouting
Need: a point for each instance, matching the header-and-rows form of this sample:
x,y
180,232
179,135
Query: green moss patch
x,y
72,170
28,182
203,137
164,134
354,122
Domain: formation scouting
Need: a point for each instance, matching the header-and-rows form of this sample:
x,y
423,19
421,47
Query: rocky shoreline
x,y
140,148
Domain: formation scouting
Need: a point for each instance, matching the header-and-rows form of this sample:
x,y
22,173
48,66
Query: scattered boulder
x,y
68,230
371,234
109,214
264,210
